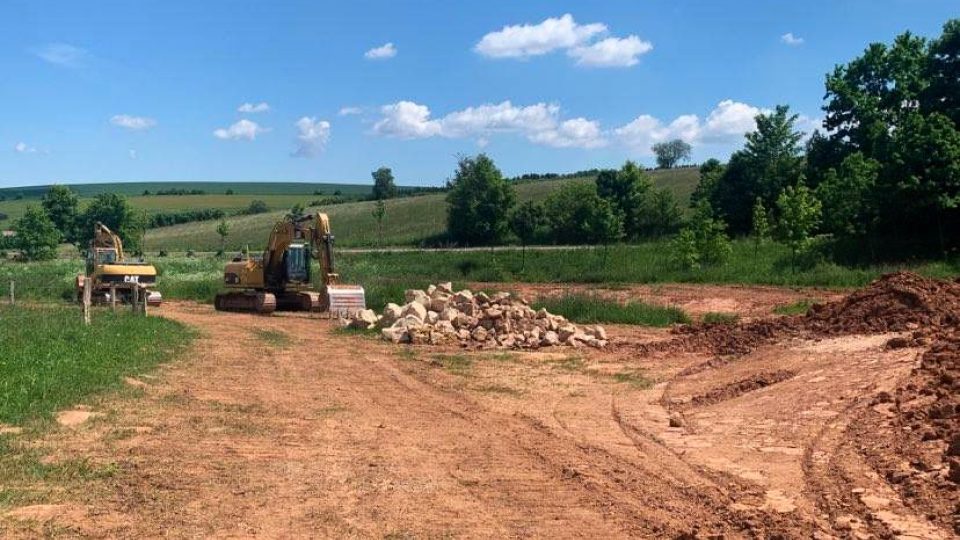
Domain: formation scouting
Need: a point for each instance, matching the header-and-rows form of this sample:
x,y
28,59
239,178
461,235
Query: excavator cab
x,y
296,263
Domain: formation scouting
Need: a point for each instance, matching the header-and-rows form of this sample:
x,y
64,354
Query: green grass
x,y
408,221
797,308
274,338
592,308
458,364
719,318
50,360
634,378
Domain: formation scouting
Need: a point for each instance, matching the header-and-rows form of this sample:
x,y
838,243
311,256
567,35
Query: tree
x,y
662,214
115,212
37,236
627,191
669,153
479,202
710,173
578,215
761,226
849,197
223,229
61,205
383,186
379,211
703,241
800,213
525,222
770,161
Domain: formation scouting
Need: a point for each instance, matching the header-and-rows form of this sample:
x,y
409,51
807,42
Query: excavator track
x,y
256,302
300,301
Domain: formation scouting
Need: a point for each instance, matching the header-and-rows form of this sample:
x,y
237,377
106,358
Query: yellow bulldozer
x,y
280,278
110,273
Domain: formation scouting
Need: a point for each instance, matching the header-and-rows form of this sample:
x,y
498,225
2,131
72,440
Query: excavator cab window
x,y
106,256
297,263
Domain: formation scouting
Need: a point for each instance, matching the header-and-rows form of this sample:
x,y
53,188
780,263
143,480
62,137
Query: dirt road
x,y
281,427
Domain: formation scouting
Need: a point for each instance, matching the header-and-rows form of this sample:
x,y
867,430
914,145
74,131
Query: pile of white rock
x,y
439,315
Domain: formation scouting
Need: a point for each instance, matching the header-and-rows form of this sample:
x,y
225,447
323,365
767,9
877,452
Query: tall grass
x,y
51,360
592,308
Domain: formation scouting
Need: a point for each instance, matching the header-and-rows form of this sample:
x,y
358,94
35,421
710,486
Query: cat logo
x,y
131,279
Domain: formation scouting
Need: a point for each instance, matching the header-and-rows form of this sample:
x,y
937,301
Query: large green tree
x,y
62,207
114,211
770,161
37,236
479,202
628,191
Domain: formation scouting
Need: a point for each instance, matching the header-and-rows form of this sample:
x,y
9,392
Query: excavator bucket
x,y
345,300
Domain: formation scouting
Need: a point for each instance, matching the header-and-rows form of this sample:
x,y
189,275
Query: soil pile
x,y
913,436
894,302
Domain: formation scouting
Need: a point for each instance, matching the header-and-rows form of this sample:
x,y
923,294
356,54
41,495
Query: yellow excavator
x,y
280,279
110,272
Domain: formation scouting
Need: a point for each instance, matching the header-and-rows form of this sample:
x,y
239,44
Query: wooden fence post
x,y
86,299
143,291
113,298
12,286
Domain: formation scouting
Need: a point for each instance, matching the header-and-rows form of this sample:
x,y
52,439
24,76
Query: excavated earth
x,y
842,423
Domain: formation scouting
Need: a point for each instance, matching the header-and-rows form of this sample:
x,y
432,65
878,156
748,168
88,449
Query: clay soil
x,y
326,434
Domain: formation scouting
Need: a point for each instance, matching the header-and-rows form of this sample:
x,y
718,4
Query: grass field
x,y
212,188
385,275
408,221
51,360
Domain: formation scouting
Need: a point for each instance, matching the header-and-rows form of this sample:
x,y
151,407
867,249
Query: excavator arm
x,y
103,237
314,229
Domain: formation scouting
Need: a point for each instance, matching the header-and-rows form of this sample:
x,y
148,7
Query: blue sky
x,y
155,90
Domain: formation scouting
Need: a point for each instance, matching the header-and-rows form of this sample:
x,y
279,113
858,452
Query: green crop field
x,y
240,188
408,221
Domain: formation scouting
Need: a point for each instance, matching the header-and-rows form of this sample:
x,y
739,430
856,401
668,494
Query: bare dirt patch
x,y
337,435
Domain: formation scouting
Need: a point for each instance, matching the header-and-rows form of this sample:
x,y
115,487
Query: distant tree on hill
x,y
37,236
62,207
383,186
670,153
479,202
228,192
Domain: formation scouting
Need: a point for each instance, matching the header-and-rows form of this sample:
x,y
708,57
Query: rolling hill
x,y
408,221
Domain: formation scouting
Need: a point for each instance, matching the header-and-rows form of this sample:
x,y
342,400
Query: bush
x,y
578,215
703,242
256,206
164,219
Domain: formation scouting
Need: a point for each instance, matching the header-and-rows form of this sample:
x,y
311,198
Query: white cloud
x,y
132,153
263,106
312,137
135,123
406,120
383,52
611,52
727,123
791,39
23,148
242,129
346,111
521,41
539,123
62,54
